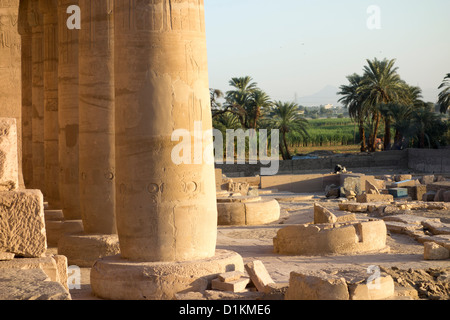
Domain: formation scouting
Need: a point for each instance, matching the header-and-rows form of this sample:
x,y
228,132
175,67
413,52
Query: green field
x,y
331,132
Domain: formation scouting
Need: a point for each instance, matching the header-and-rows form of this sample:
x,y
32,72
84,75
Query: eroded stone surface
x,y
22,223
9,171
30,284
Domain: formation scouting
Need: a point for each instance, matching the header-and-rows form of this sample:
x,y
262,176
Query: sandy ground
x,y
256,243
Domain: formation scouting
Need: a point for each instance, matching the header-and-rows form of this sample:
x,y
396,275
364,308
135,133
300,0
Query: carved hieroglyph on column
x,y
96,117
51,127
165,212
36,22
68,114
10,67
27,104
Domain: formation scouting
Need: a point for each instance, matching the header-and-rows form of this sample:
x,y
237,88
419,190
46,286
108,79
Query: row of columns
x,y
68,109
100,105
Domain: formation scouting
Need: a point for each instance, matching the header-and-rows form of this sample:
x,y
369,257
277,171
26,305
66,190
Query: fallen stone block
x,y
238,285
323,215
6,256
320,286
55,267
444,185
446,196
405,183
30,284
371,188
367,198
380,288
259,275
22,223
416,192
9,163
434,251
429,196
398,192
231,276
400,227
436,227
439,197
402,177
428,179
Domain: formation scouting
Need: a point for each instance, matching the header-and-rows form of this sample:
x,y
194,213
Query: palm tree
x,y
353,100
380,84
401,122
259,102
422,120
285,117
444,95
239,99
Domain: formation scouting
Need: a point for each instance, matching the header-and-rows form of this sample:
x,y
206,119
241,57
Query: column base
x,y
83,250
114,278
56,229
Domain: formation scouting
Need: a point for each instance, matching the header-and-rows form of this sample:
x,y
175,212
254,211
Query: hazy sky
x,y
297,47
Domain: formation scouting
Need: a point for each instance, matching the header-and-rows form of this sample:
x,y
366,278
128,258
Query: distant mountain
x,y
328,95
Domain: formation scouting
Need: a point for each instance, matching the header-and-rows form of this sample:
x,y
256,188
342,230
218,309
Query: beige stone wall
x,y
10,66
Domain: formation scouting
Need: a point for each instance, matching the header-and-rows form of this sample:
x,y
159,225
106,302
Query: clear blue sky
x,y
298,47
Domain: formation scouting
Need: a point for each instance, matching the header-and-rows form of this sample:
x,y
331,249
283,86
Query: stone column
x,y
10,69
96,138
27,93
166,212
68,114
36,22
51,127
96,112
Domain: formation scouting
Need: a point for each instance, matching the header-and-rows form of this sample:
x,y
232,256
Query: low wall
x,y
391,159
429,160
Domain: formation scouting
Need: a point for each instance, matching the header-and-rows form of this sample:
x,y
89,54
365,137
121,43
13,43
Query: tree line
x,y
380,96
377,99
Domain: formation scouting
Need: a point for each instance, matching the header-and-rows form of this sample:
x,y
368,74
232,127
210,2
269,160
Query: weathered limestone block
x,y
259,275
9,170
366,198
436,227
323,215
428,179
345,238
381,288
115,278
22,223
55,267
434,251
447,196
444,185
402,177
439,197
417,192
305,286
372,188
30,284
429,196
247,211
237,285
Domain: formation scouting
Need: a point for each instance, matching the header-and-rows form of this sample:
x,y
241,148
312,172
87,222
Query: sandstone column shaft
x,y
165,212
68,114
51,128
27,93
10,68
96,117
36,21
